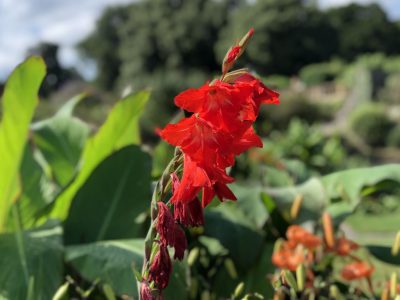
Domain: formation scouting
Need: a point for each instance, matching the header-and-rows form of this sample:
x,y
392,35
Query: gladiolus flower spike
x,y
219,129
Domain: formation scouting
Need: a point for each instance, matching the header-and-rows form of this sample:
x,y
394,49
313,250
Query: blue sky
x,y
23,23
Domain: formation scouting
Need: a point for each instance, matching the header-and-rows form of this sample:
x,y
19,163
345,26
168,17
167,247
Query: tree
x,y
56,74
364,28
289,34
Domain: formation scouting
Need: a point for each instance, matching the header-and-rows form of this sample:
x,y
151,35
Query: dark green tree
x,y
56,75
288,35
364,28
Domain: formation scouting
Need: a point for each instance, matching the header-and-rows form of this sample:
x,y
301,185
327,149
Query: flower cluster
x,y
219,128
304,250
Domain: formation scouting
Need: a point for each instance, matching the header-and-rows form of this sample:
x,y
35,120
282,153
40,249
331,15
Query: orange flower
x,y
344,246
288,257
298,235
357,270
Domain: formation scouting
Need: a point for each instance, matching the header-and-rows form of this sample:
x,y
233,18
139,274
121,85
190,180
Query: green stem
x,y
160,190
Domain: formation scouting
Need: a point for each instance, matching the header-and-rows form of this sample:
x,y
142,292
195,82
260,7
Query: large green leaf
x,y
61,139
19,102
236,232
113,263
38,262
37,189
339,192
106,206
110,261
119,130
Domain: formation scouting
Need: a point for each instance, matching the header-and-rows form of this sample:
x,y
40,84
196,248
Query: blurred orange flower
x,y
357,270
298,235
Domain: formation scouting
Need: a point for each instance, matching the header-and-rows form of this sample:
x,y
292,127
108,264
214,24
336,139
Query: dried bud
x,y
165,224
161,268
180,242
146,293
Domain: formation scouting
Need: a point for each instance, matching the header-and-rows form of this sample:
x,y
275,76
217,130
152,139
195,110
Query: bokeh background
x,y
336,64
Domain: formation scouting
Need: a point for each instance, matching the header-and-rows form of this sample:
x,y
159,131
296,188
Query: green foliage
x,y
363,28
393,138
119,130
121,176
371,123
61,139
270,51
318,73
19,102
36,263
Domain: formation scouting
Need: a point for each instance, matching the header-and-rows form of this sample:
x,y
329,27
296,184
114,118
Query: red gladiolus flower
x,y
299,235
262,94
232,55
190,213
165,224
161,268
357,270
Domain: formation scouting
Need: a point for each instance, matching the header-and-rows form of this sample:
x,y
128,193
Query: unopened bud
x,y
230,267
396,245
193,255
238,290
294,210
393,284
301,277
289,278
62,291
328,230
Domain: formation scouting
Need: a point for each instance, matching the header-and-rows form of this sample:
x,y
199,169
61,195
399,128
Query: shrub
x,y
393,138
371,123
319,73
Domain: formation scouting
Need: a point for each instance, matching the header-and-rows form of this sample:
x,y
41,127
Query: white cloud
x,y
24,23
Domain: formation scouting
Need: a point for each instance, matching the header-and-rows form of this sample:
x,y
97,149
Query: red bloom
x,y
232,54
262,94
357,270
146,293
190,213
161,268
298,235
165,224
180,242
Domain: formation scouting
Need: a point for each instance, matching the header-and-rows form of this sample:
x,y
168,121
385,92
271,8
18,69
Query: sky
x,y
24,23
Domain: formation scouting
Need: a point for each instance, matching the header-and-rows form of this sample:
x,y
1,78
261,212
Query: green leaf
x,y
43,256
37,190
120,129
19,102
339,192
106,206
229,225
109,261
384,254
61,139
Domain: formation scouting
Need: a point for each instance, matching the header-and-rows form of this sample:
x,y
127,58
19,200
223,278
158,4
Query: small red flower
x,y
357,270
161,268
165,224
